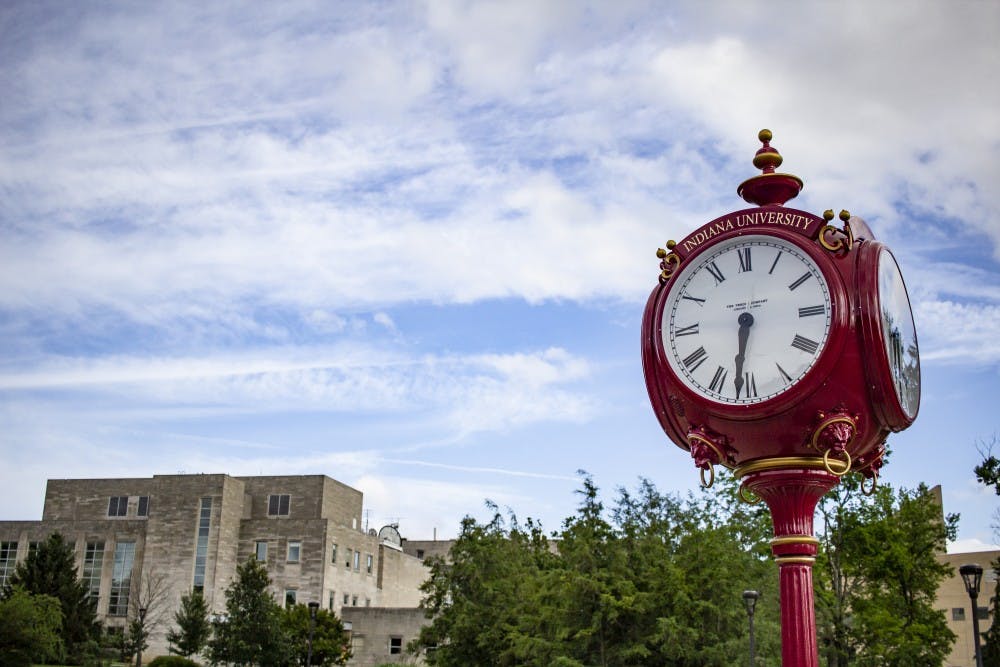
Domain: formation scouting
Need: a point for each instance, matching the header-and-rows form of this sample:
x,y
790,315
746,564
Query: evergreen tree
x,y
251,632
49,570
193,627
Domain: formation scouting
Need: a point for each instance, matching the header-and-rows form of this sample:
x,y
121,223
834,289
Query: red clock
x,y
774,333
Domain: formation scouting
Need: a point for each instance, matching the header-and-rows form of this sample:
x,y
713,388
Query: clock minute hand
x,y
745,321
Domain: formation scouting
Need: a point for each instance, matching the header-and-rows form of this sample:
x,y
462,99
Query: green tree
x,y
330,645
880,561
193,627
991,638
29,628
251,633
655,580
49,570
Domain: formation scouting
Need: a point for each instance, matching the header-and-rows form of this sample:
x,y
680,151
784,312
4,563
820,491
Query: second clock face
x,y
746,320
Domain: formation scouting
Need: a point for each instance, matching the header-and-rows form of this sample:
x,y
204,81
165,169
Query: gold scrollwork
x,y
670,261
748,496
830,230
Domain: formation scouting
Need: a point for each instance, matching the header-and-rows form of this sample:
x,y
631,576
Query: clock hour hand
x,y
745,321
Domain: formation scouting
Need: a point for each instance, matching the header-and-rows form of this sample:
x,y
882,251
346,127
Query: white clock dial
x,y
746,320
898,334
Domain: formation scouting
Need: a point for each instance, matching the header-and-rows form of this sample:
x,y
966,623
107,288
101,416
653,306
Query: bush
x,y
172,661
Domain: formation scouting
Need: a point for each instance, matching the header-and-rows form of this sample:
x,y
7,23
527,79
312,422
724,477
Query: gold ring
x,y
783,463
748,496
846,462
711,476
869,490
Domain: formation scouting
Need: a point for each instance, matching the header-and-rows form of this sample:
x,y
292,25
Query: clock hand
x,y
745,321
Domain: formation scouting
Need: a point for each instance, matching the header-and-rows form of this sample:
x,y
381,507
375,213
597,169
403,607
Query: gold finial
x,y
769,188
661,253
845,215
671,244
828,214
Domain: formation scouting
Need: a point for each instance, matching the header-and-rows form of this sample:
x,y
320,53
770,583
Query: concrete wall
x,y
374,628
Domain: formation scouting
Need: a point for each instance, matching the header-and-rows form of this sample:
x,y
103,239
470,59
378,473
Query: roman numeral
x,y
687,331
775,263
695,359
751,385
718,380
700,302
809,311
744,255
805,277
716,273
784,373
804,344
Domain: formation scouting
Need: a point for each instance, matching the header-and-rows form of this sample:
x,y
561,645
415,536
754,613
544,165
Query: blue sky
x,y
407,245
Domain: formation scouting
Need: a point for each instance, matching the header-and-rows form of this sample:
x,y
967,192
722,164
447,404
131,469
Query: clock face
x,y
898,334
746,320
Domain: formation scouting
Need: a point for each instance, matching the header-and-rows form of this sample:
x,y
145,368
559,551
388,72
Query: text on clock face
x,y
746,321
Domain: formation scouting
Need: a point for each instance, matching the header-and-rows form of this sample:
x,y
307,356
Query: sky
x,y
408,245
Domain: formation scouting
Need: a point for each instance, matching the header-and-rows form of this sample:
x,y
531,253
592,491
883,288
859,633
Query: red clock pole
x,y
791,494
782,347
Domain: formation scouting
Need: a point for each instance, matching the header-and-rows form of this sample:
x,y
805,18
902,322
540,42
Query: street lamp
x,y
972,575
141,639
750,600
313,608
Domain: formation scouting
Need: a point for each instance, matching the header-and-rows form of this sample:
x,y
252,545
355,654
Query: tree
x,y
145,616
991,638
49,570
880,561
330,645
193,627
29,628
654,581
251,633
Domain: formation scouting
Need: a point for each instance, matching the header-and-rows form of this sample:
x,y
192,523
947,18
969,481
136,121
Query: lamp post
x,y
141,639
750,600
972,575
313,608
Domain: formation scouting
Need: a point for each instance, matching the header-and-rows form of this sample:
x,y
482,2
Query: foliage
x,y
251,633
330,644
172,661
193,627
878,576
29,628
654,581
988,471
50,570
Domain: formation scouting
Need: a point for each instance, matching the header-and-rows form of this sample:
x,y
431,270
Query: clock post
x,y
781,346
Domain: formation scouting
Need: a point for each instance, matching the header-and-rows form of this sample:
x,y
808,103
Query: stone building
x,y
190,532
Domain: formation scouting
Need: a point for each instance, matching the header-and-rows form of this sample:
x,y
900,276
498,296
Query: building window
x,y
983,613
8,558
143,507
294,551
93,563
347,563
347,598
118,506
333,553
201,546
958,613
290,596
121,579
260,550
357,560
332,601
420,554
32,548
395,645
354,600
369,562
277,505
